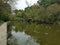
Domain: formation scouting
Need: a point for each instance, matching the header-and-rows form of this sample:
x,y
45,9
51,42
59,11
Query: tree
x,y
5,11
48,2
20,14
33,12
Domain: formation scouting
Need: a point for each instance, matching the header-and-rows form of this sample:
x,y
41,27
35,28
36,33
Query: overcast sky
x,y
21,4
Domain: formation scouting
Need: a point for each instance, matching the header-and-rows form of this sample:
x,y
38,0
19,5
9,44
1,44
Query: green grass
x,y
1,22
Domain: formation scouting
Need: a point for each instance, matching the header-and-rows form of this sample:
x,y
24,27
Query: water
x,y
22,39
33,34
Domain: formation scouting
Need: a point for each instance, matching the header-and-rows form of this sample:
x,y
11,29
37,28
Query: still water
x,y
34,34
21,38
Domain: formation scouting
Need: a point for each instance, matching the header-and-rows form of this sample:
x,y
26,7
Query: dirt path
x,y
3,34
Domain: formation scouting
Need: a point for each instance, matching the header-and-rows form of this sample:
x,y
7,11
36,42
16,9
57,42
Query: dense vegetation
x,y
46,11
5,11
41,13
37,19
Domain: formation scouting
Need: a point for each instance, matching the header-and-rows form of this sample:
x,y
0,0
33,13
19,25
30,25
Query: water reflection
x,y
45,34
23,39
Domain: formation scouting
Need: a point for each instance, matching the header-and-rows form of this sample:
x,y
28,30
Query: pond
x,y
22,39
24,33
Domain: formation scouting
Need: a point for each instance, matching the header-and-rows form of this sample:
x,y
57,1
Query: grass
x,y
1,22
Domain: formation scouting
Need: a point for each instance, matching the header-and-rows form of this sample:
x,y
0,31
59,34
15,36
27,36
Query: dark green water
x,y
40,34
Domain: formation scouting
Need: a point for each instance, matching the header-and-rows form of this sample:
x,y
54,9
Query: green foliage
x,y
1,22
50,14
48,2
36,13
4,11
33,12
20,14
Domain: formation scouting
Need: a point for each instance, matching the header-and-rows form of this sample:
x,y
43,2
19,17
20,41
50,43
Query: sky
x,y
22,4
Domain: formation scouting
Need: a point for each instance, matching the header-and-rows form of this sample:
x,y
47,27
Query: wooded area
x,y
46,11
41,21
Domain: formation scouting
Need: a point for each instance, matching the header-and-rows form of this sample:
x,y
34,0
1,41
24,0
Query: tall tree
x,y
5,11
48,2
